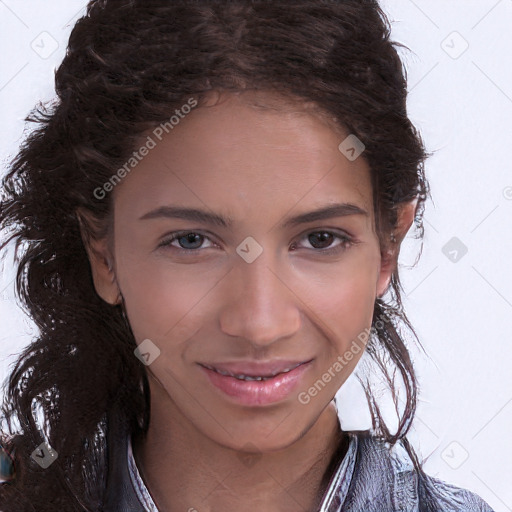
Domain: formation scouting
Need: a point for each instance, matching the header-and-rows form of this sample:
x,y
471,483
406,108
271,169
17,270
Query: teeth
x,y
249,377
240,376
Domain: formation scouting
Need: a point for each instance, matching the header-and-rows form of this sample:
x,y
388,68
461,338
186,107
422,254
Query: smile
x,y
255,384
242,376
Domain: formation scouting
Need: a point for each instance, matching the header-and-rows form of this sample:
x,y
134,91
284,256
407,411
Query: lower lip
x,y
258,392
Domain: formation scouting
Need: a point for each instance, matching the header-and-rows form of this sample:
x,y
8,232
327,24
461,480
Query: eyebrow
x,y
203,216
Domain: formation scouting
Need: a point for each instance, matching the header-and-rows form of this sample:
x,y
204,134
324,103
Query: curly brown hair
x,y
129,64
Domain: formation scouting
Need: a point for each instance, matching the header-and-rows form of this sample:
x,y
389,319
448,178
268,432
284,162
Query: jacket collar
x,y
126,491
332,500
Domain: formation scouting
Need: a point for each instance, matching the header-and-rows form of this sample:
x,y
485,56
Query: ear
x,y
100,258
389,254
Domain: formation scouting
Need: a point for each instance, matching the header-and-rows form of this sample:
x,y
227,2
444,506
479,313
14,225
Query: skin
x,y
295,301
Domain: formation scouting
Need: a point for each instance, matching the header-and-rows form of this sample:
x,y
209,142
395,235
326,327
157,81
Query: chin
x,y
264,435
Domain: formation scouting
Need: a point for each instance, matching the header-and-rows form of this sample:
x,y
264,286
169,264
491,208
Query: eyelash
x,y
345,244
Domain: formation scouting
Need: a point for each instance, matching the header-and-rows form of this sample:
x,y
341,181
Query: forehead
x,y
245,157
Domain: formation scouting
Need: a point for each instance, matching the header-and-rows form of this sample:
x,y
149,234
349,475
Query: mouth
x,y
248,376
256,383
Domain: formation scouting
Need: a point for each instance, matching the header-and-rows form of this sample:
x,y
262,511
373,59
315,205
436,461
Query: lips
x,y
253,371
256,383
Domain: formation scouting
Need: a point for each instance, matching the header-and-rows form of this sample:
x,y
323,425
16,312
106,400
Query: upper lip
x,y
255,368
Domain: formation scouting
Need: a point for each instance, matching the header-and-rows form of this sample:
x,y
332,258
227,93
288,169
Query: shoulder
x,y
450,498
385,478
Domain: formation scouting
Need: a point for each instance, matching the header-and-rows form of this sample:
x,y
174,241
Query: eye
x,y
185,240
322,241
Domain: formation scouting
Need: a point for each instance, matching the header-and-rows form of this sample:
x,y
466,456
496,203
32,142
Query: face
x,y
244,247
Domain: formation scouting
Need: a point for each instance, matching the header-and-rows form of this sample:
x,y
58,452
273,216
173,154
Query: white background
x,y
460,304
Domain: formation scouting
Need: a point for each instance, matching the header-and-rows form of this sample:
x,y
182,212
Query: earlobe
x,y
387,267
101,261
389,254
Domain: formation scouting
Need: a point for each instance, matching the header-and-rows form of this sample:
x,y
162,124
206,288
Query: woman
x,y
210,217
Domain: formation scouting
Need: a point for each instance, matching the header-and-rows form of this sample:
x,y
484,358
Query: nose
x,y
259,306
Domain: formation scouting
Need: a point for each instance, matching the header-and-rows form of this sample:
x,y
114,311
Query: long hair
x,y
128,66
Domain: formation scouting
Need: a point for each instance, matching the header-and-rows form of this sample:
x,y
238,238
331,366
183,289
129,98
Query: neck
x,y
185,470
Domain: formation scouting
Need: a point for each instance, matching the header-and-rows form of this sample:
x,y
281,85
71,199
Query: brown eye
x,y
321,239
324,242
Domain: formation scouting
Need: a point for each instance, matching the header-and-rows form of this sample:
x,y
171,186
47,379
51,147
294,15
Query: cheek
x,y
341,301
342,293
163,302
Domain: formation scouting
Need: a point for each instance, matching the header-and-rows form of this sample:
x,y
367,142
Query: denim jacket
x,y
371,477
